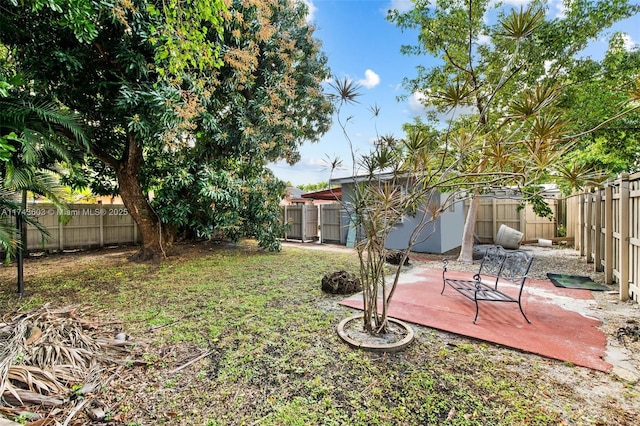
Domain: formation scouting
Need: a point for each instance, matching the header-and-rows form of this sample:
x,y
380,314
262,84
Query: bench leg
x,y
476,318
525,317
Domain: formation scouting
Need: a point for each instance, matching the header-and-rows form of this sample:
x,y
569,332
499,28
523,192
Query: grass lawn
x,y
274,356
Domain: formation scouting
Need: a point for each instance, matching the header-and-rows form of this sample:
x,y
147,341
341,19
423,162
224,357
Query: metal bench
x,y
498,265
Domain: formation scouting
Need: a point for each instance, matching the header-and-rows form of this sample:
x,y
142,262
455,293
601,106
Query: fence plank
x,y
608,234
80,226
624,237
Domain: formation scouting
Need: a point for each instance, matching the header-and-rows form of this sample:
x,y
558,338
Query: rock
x,y
624,374
395,257
341,282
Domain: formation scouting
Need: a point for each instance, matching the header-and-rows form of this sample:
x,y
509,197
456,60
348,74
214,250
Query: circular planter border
x,y
376,347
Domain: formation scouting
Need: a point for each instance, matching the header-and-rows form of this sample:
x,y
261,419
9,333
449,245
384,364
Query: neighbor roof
x,y
334,194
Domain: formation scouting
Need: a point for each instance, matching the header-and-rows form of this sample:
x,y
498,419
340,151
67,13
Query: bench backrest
x,y
516,265
500,264
492,261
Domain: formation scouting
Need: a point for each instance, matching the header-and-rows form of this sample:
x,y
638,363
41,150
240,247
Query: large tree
x,y
111,63
147,80
267,102
501,82
595,91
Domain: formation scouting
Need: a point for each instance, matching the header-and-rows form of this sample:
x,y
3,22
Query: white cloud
x,y
548,65
484,39
400,5
561,9
629,44
312,10
370,80
415,102
316,162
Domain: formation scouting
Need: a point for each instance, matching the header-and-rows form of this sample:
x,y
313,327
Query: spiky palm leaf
x,y
37,129
9,238
346,91
521,24
42,118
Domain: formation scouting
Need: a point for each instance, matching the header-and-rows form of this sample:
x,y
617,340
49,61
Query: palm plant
x,y
32,135
398,178
428,171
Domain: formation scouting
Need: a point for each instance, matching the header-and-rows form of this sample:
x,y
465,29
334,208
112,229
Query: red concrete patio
x,y
563,326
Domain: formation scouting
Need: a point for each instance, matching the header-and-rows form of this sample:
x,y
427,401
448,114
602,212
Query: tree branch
x,y
604,123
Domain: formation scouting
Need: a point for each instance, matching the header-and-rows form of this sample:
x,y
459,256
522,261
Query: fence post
x,y
286,222
608,233
320,222
101,229
624,237
494,216
303,225
597,231
579,231
588,219
571,218
60,231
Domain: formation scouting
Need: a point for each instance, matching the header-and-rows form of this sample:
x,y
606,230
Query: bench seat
x,y
498,265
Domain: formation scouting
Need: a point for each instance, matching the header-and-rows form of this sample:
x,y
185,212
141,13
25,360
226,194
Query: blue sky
x,y
364,47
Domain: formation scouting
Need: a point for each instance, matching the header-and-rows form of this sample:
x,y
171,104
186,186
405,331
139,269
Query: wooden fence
x,y
323,222
98,225
607,230
494,212
78,226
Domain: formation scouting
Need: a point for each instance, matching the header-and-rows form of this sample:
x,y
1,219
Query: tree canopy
x,y
505,86
189,101
595,92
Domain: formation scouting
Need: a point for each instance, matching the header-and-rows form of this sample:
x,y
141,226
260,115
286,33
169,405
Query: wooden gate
x,y
302,221
330,223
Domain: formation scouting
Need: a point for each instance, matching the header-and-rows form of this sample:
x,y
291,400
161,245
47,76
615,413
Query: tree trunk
x,y
466,251
156,238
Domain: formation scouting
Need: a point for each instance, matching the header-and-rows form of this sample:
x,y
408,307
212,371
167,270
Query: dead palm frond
x,y
45,352
35,379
